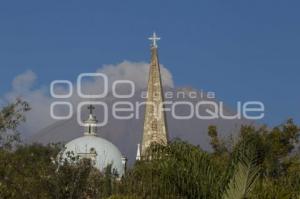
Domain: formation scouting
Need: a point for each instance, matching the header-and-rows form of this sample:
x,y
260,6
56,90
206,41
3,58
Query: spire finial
x,y
91,108
154,39
138,153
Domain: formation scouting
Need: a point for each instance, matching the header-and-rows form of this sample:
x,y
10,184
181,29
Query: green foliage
x,y
245,177
10,118
261,163
215,141
177,172
276,155
32,172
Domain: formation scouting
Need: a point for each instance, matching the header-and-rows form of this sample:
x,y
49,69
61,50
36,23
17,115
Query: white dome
x,y
101,151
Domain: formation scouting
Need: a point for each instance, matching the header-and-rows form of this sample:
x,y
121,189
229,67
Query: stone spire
x,y
90,124
155,125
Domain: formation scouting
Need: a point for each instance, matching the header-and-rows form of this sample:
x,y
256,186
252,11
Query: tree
x,y
10,118
262,163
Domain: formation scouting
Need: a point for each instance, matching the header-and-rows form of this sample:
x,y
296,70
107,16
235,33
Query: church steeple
x,y
155,124
90,124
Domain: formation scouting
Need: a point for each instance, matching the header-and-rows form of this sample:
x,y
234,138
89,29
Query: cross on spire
x,y
154,39
91,108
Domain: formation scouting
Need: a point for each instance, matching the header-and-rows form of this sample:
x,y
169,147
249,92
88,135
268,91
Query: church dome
x,y
101,152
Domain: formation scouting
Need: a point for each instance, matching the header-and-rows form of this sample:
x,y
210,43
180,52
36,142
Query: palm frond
x,y
243,180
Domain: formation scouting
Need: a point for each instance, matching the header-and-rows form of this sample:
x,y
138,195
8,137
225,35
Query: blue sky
x,y
242,50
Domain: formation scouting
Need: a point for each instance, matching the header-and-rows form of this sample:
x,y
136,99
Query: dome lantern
x,y
90,128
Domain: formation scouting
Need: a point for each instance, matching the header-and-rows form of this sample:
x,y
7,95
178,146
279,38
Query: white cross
x,y
154,39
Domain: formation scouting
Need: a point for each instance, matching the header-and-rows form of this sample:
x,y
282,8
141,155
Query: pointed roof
x,y
155,124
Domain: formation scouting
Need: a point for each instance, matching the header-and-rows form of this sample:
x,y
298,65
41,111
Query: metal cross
x,y
154,39
91,108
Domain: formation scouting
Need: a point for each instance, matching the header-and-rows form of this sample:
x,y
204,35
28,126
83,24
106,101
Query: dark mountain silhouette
x,y
126,134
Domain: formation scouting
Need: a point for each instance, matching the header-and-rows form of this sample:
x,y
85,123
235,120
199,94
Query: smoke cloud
x,y
40,100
